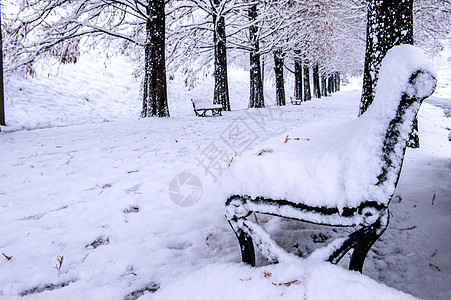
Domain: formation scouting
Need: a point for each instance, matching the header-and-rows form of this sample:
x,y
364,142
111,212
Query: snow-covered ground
x,y
97,186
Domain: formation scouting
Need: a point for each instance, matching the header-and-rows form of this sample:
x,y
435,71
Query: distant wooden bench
x,y
343,177
216,109
296,101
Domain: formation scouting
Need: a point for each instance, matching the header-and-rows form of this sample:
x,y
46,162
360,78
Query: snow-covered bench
x,y
343,175
201,109
295,101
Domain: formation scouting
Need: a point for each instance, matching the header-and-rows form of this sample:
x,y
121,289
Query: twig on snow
x,y
6,256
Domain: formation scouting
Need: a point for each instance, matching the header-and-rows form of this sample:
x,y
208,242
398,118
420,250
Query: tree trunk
x,y
338,82
221,91
334,82
2,93
307,93
298,79
324,85
256,85
414,138
278,70
155,102
389,23
263,72
316,82
330,86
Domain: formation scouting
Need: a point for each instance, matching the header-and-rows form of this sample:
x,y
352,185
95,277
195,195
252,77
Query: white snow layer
x,y
335,165
97,194
284,281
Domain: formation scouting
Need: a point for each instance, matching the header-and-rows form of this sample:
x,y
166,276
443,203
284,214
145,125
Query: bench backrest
x,y
407,78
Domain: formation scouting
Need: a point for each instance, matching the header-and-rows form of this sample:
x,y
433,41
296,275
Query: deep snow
x,y
97,193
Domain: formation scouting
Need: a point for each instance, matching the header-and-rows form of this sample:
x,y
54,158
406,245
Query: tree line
x,y
327,38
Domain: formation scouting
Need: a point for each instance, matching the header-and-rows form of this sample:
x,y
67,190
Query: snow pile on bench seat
x,y
335,165
205,105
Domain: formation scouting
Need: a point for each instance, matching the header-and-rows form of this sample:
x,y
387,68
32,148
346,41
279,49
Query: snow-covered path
x,y
97,194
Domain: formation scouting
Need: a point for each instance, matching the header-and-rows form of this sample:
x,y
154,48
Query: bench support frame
x,y
202,112
295,101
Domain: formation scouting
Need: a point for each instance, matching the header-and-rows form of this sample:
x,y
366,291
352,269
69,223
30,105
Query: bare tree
x,y
256,83
155,101
201,29
221,91
316,81
55,28
280,81
431,23
389,23
298,78
307,90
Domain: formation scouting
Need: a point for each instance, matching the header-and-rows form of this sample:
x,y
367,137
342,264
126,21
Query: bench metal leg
x,y
246,247
361,241
245,241
216,111
371,235
250,233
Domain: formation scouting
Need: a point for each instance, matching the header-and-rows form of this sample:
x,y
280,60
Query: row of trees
x,y
167,36
280,35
